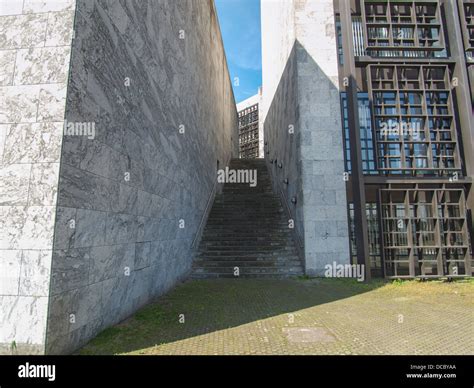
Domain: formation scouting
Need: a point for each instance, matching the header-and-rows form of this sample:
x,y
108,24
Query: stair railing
x,y
207,210
205,216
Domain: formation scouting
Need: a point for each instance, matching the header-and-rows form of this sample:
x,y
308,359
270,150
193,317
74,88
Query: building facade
x,y
403,77
407,105
108,168
250,127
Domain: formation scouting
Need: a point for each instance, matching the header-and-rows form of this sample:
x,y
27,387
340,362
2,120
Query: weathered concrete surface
x,y
311,150
143,73
35,46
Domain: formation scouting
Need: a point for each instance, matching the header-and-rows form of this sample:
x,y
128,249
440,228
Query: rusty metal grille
x,y
425,232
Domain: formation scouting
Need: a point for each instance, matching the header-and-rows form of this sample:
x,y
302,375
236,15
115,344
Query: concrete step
x,y
247,255
223,249
255,224
250,207
246,264
245,276
243,272
247,272
243,236
247,228
217,242
232,244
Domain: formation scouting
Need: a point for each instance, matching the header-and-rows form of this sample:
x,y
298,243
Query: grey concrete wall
x,y
35,46
278,38
308,96
322,152
283,139
140,71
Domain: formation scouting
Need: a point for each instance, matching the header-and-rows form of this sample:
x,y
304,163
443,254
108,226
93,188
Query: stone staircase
x,y
247,230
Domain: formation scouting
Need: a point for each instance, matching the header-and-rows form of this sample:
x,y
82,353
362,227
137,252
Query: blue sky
x,y
240,27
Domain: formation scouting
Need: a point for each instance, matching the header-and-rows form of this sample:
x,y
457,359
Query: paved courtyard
x,y
299,316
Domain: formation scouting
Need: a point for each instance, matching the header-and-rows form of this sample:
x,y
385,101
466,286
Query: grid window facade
x,y
374,236
248,132
467,19
425,232
366,138
403,29
411,127
414,119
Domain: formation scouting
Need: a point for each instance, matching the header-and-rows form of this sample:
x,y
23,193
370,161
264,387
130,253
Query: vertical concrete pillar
x,y
301,92
326,232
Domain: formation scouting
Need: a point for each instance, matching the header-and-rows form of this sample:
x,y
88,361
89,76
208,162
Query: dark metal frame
x,y
396,28
357,174
430,225
437,134
466,13
248,132
414,182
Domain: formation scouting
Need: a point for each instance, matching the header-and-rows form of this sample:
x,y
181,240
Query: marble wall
x,y
114,117
307,97
151,115
322,151
283,138
35,47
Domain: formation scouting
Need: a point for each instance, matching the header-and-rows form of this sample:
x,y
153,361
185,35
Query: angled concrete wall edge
x,y
137,191
283,149
310,171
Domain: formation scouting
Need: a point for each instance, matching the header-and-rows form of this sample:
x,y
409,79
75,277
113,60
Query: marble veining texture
x,y
126,188
35,50
32,143
42,65
23,321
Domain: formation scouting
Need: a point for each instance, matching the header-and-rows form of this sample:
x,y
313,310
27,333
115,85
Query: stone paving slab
x,y
299,316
